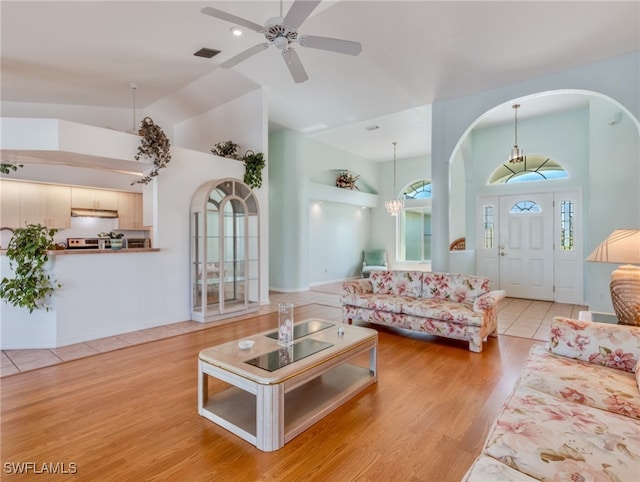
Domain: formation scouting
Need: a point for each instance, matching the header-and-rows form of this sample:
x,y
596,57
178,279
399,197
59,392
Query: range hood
x,y
93,213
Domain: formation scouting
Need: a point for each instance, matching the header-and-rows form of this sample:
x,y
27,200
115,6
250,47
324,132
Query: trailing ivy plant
x,y
253,165
7,167
155,145
27,253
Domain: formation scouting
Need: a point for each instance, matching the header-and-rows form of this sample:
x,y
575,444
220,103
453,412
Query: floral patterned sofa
x,y
451,305
574,414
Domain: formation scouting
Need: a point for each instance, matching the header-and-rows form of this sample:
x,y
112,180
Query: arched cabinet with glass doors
x,y
225,254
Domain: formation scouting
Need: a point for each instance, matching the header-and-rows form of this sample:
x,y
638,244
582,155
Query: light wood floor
x,y
131,415
516,317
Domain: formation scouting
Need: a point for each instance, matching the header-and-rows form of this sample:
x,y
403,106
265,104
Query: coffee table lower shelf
x,y
236,409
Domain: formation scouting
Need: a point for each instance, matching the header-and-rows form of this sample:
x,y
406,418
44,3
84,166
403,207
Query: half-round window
x,y
525,207
532,168
418,190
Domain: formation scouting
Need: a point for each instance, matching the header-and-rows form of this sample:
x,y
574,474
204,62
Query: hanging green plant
x,y
8,167
155,145
27,253
226,149
253,165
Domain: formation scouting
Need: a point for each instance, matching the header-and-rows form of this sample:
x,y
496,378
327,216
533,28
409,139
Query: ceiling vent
x,y
206,53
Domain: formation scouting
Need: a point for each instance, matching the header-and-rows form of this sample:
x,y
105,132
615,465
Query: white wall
x,y
239,120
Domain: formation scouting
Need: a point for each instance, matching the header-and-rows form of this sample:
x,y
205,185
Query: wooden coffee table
x,y
269,408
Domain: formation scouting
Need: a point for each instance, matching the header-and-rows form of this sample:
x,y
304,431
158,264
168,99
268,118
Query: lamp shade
x,y
622,246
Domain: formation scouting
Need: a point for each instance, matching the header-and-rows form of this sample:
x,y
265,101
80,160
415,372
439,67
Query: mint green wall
x,y
294,265
617,78
614,191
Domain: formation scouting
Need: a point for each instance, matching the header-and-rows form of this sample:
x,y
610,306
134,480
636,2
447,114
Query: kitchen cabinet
x,y
225,264
32,203
130,210
58,206
87,198
25,203
9,204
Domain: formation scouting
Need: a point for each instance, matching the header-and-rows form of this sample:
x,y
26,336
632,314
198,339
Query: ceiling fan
x,y
283,33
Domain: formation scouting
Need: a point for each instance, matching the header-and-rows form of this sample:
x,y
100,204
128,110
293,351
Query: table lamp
x,y
623,246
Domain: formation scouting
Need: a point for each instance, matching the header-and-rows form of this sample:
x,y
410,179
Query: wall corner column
x,y
440,185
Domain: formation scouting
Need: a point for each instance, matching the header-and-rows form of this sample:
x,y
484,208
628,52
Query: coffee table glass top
x,y
304,329
288,354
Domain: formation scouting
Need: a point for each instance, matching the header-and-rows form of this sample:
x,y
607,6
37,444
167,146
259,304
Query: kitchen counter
x,y
59,252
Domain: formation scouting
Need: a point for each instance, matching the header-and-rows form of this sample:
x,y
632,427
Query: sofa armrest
x,y
614,346
488,300
357,287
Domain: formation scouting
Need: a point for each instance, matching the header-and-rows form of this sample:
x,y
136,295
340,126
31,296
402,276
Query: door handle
x,y
502,253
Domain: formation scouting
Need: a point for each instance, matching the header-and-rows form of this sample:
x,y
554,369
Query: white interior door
x,y
526,246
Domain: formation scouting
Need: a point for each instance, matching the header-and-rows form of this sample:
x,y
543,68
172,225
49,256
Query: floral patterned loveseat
x,y
574,413
451,305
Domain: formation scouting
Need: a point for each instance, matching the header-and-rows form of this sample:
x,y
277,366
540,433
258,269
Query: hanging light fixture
x,y
517,155
394,206
133,130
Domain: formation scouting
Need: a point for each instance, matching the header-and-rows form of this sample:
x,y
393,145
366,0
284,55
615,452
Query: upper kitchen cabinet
x,y
87,198
32,203
130,210
58,206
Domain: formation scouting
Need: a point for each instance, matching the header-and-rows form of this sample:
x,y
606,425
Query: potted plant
x,y
115,239
27,253
226,149
346,180
253,165
155,145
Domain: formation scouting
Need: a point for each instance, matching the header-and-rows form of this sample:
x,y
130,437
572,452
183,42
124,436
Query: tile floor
x,y
516,317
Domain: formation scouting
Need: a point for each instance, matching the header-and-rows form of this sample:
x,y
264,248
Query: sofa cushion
x,y
454,287
390,303
443,310
548,440
614,346
401,283
582,382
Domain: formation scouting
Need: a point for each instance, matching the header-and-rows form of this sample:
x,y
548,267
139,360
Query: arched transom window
x,y
533,168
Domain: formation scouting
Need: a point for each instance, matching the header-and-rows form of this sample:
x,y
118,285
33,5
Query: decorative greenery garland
x,y
7,167
154,144
27,251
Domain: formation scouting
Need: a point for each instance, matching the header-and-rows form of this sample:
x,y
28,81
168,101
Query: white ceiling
x,y
414,52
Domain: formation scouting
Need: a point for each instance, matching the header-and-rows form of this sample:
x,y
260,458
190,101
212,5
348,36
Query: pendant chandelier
x,y
517,155
394,206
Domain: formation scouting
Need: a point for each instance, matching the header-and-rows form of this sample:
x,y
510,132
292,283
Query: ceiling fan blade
x,y
214,12
299,12
294,65
244,55
333,44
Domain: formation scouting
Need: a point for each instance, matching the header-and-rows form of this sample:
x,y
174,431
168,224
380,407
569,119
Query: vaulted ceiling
x,y
414,52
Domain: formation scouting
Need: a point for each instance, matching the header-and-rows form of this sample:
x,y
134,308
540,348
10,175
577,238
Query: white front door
x,y
530,245
525,246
